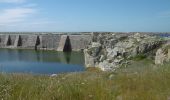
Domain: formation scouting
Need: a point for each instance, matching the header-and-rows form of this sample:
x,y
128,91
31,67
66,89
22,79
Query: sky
x,y
85,15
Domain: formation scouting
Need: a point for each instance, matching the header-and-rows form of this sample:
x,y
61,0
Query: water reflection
x,y
45,62
41,56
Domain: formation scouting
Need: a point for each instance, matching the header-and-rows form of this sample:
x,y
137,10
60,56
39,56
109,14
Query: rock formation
x,y
160,57
163,54
109,51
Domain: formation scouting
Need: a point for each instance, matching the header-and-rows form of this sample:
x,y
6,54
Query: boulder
x,y
106,66
160,57
94,49
112,53
163,54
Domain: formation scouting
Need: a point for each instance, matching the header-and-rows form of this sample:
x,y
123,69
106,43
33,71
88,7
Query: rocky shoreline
x,y
109,51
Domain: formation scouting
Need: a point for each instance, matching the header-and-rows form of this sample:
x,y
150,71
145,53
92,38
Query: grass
x,y
139,81
138,57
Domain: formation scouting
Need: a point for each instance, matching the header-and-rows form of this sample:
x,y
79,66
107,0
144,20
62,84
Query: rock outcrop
x,y
109,51
163,54
160,57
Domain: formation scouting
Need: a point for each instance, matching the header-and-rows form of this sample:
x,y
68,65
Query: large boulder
x,y
160,57
163,54
94,49
106,66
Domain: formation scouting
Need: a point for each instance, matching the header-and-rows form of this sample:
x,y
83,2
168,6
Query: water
x,y
40,62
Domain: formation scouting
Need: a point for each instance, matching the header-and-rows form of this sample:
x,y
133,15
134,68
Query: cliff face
x,y
109,51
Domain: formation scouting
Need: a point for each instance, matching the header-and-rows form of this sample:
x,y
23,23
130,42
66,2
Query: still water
x,y
40,62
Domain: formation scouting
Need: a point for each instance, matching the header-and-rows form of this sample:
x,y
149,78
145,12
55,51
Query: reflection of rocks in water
x,y
38,56
42,56
71,57
67,56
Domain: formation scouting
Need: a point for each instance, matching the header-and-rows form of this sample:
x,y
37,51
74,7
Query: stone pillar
x,y
89,60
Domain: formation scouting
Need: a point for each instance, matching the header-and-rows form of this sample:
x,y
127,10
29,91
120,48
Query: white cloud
x,y
12,1
26,17
12,16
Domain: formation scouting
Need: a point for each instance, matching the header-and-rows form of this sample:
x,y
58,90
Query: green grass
x,y
139,81
138,57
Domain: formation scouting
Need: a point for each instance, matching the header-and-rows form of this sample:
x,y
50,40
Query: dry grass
x,y
137,82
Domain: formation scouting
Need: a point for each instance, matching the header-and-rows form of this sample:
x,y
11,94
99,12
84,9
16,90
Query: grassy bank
x,y
136,82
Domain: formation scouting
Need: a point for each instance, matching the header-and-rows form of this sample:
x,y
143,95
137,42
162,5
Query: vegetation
x,y
136,82
138,57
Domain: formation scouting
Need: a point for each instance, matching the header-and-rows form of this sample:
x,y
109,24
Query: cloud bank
x,y
15,15
22,17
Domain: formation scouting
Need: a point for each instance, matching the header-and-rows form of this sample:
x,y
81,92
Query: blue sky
x,y
85,15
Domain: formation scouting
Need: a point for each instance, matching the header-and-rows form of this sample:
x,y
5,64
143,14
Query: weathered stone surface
x,y
89,60
112,53
110,50
160,57
50,41
168,54
2,39
79,42
7,40
62,43
102,58
31,42
163,54
94,49
12,39
17,41
106,66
